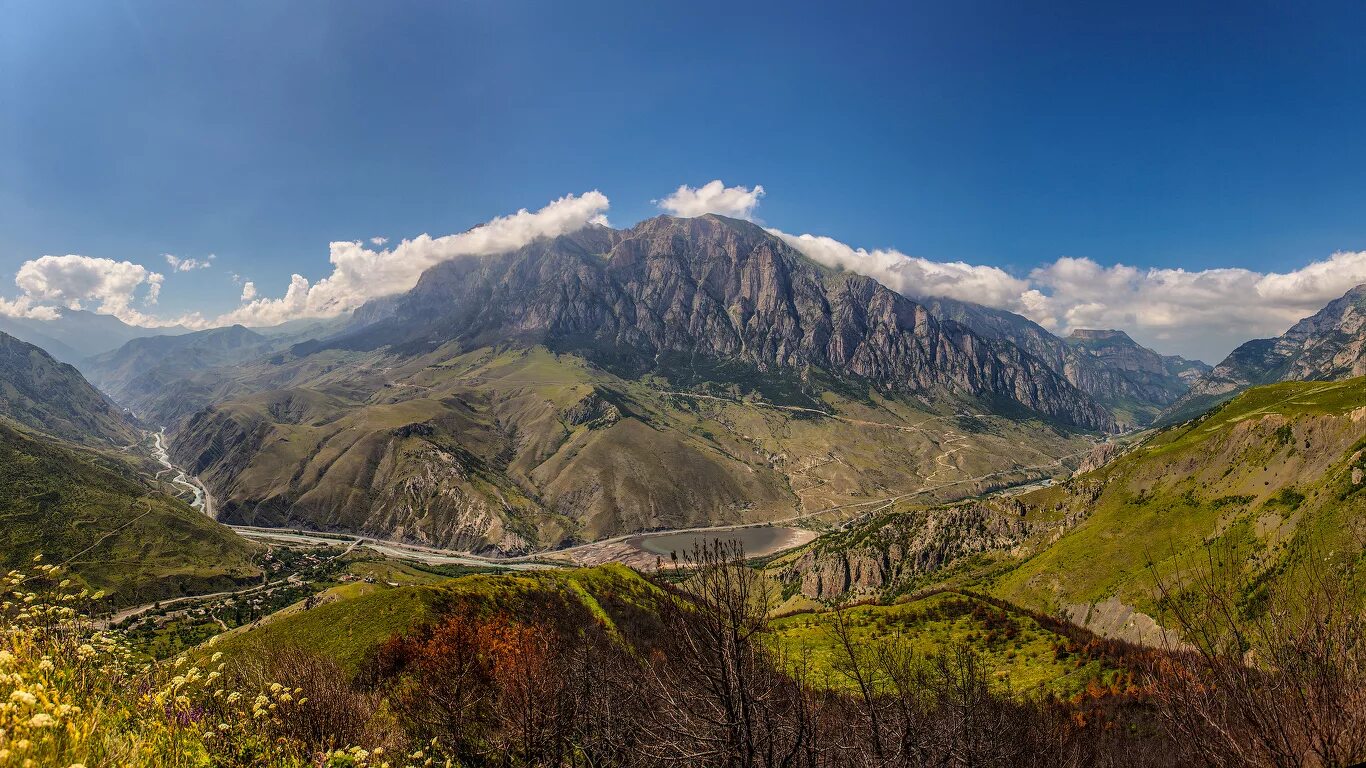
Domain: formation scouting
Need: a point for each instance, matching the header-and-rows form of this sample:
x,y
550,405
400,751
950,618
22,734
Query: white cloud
x,y
1193,313
360,274
912,275
185,265
24,307
248,291
713,197
76,282
378,240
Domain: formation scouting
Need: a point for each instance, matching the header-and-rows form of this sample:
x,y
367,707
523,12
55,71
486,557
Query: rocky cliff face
x,y
1329,345
1133,382
884,555
719,289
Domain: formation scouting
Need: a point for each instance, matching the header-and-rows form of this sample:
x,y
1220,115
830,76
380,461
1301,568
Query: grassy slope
x,y
352,620
1018,652
125,536
1266,476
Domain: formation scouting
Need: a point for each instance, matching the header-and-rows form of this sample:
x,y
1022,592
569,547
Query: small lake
x,y
757,542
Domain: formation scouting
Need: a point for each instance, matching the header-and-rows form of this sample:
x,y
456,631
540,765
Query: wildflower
x,y
41,720
23,697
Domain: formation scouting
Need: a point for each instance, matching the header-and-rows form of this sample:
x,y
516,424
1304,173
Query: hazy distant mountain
x,y
77,334
1133,382
145,371
1327,346
42,394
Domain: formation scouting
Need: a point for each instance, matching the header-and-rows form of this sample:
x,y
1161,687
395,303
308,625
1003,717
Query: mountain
x,y
112,526
1326,346
44,395
1133,382
77,334
712,288
157,373
1273,476
680,373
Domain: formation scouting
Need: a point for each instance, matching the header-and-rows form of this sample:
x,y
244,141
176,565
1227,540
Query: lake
x,y
759,541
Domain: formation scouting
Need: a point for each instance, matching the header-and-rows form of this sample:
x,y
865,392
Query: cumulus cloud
x,y
1202,313
713,197
378,240
912,275
24,307
79,282
185,265
360,273
248,291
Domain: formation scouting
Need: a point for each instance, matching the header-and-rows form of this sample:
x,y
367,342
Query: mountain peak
x,y
1093,334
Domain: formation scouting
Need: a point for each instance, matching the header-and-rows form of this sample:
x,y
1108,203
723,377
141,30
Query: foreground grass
x,y
72,697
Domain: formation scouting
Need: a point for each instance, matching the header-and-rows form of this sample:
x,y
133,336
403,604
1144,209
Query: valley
x,y
628,445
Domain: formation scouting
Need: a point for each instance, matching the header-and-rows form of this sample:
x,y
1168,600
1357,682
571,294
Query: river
x,y
164,456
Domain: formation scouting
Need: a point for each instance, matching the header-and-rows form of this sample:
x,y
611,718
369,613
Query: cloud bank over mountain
x,y
1202,313
84,282
360,273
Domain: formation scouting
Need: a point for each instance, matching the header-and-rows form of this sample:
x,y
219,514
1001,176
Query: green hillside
x,y
1269,476
42,394
1022,653
1260,484
349,621
117,532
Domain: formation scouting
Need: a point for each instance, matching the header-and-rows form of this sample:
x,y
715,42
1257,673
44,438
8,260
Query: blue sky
x,y
1187,135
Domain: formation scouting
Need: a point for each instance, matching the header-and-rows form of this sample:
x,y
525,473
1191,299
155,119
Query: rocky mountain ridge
x,y
714,289
1326,346
1133,382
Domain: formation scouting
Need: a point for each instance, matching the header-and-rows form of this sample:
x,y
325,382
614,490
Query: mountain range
x,y
680,373
1132,382
75,334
